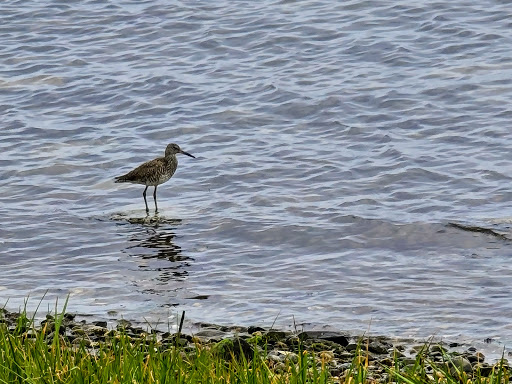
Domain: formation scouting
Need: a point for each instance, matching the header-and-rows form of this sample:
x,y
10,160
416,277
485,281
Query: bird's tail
x,y
120,179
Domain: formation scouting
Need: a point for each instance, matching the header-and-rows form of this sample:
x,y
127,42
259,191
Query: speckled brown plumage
x,y
154,172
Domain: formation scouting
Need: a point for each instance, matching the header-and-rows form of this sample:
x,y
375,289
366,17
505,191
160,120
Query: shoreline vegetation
x,y
59,349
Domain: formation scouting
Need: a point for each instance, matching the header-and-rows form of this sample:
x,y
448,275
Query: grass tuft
x,y
30,354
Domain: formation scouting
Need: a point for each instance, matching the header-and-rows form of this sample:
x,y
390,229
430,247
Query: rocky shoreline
x,y
336,351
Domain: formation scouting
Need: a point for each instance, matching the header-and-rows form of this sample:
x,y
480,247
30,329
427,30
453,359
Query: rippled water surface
x,y
335,143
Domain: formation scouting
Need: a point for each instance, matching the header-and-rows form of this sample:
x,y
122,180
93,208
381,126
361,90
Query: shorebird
x,y
154,172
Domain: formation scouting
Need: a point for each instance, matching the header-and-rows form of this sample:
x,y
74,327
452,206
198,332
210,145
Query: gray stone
x,y
235,329
78,330
210,335
122,323
94,330
280,368
437,349
502,363
283,356
82,341
49,337
209,325
280,345
290,356
344,366
275,357
179,341
322,345
346,356
387,362
417,349
476,358
335,337
31,334
471,358
438,357
459,364
252,329
273,335
351,347
396,354
136,330
483,369
233,347
409,361
70,335
378,348
48,325
100,323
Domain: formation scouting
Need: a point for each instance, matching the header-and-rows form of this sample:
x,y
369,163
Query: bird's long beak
x,y
188,154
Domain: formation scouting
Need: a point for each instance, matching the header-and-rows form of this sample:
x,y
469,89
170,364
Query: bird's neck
x,y
171,159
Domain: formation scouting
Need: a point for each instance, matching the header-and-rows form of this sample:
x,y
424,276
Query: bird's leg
x,y
154,197
144,194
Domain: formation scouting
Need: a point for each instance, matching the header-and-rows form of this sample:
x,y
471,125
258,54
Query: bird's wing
x,y
144,172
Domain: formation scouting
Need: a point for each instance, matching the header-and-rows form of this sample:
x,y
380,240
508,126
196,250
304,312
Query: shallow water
x,y
334,144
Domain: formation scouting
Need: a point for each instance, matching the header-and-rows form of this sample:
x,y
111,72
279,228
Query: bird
x,y
154,172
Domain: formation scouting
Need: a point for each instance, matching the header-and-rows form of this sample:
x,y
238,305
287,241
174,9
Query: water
x,y
335,144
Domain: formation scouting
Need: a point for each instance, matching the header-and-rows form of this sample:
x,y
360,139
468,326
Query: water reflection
x,y
155,250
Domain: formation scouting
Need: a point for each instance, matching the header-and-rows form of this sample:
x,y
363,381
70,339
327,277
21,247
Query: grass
x,y
30,355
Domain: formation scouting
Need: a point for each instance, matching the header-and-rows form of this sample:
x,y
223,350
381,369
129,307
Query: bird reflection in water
x,y
158,253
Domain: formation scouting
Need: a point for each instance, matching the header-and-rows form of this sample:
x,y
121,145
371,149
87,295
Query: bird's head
x,y
173,149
